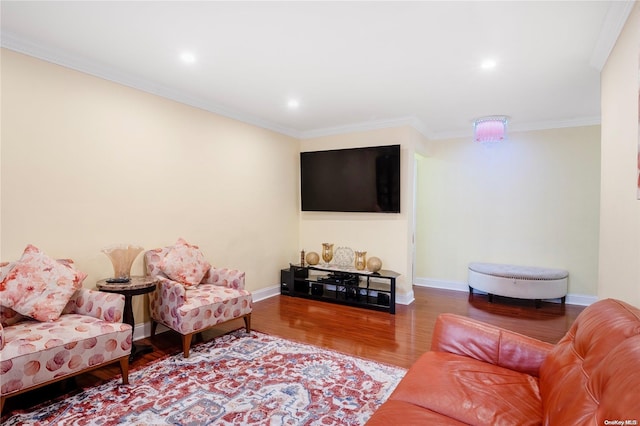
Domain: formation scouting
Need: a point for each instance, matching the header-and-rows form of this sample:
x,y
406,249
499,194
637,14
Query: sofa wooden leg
x,y
124,369
186,344
1,404
154,325
247,323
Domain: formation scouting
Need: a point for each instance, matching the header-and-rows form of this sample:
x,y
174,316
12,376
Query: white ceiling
x,y
351,65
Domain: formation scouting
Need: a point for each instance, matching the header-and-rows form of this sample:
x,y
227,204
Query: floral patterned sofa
x,y
68,330
191,295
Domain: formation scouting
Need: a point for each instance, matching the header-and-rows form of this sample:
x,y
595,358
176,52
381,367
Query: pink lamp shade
x,y
490,129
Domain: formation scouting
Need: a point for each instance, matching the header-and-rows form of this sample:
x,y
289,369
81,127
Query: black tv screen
x,y
351,180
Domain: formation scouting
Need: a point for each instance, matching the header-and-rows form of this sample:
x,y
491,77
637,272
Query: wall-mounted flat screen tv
x,y
351,180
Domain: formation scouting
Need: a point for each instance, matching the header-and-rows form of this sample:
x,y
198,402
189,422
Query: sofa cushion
x,y
491,395
39,286
185,263
204,306
36,352
595,360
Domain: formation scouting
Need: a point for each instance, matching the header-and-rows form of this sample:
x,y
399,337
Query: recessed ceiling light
x,y
488,64
293,103
188,57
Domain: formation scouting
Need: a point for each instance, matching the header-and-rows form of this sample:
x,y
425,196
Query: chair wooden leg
x,y
1,403
154,325
186,344
247,322
124,369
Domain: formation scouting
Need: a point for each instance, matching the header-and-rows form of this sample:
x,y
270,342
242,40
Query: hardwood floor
x,y
393,339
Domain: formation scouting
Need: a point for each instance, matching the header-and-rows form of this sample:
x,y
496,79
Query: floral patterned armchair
x,y
191,295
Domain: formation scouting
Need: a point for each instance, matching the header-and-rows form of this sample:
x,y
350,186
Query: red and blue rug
x,y
235,379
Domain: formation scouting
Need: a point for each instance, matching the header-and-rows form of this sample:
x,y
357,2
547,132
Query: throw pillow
x,y
185,264
5,268
39,286
7,315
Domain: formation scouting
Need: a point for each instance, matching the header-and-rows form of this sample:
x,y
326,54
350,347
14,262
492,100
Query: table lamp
x,y
122,257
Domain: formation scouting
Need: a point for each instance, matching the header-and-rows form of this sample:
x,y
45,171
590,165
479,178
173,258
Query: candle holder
x,y
327,252
361,260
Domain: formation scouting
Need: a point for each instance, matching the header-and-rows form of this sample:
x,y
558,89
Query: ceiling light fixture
x,y
188,57
293,103
488,64
490,129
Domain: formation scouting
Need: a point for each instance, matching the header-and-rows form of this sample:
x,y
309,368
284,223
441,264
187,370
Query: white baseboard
x,y
572,299
405,299
142,331
265,293
446,285
581,299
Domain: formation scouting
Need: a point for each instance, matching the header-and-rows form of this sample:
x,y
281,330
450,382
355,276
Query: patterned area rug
x,y
235,379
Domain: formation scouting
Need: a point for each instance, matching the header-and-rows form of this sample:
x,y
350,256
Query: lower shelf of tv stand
x,y
371,291
336,298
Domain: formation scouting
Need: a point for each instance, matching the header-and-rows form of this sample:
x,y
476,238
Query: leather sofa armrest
x,y
230,278
465,336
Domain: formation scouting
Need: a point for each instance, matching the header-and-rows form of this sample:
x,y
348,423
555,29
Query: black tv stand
x,y
371,290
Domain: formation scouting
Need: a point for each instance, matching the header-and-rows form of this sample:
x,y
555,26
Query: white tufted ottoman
x,y
523,282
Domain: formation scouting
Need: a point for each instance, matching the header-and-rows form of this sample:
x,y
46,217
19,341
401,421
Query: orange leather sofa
x,y
479,374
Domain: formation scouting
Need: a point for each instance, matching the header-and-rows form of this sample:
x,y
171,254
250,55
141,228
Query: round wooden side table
x,y
136,286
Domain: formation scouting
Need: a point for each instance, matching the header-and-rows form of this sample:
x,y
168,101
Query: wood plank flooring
x,y
393,339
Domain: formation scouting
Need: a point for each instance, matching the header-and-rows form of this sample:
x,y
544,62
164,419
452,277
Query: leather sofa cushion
x,y
591,377
400,412
464,336
471,391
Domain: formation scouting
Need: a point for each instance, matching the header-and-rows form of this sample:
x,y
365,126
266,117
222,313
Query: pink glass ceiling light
x,y
490,129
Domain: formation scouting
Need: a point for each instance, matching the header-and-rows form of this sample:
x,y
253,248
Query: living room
x,y
82,155
88,162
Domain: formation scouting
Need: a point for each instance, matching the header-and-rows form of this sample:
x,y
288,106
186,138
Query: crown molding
x,y
410,121
617,16
556,124
10,42
16,44
19,45
525,127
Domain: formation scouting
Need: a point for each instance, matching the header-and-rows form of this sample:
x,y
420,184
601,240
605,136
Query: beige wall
x,y
384,235
533,200
620,209
88,163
